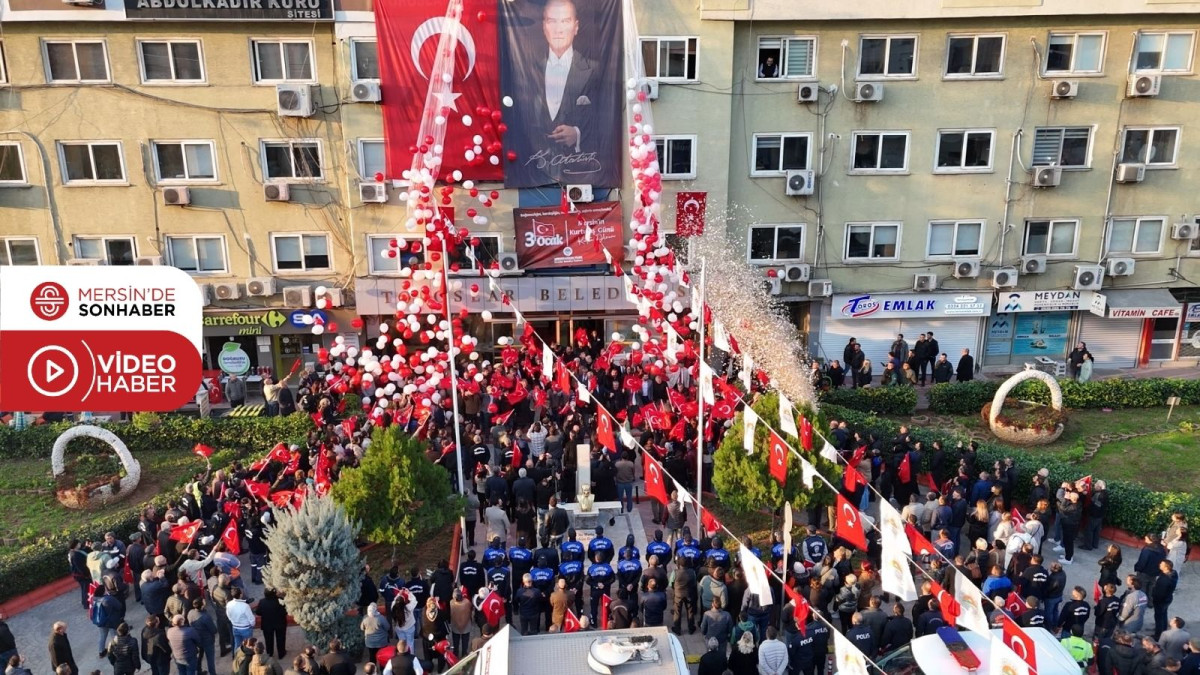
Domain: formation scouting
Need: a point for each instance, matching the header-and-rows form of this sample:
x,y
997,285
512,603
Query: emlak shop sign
x,y
230,10
547,238
902,305
75,339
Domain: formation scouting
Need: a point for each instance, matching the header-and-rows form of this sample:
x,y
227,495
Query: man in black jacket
x,y
123,652
1095,509
920,350
1162,593
932,349
77,560
897,632
966,367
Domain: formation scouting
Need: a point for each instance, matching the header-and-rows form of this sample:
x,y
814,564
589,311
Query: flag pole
x,y
453,370
700,416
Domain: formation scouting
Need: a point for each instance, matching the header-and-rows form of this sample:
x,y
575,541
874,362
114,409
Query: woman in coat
x,y
1085,368
743,658
434,629
1109,564
376,631
123,652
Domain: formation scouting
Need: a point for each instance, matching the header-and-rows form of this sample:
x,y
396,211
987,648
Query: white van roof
x,y
932,655
567,653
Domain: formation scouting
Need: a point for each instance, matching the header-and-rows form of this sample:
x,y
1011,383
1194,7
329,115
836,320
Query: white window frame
x,y
685,39
1166,35
956,224
880,132
158,177
1151,131
354,42
666,139
362,167
292,142
8,241
20,162
886,56
193,239
782,135
1073,71
254,65
1163,224
473,269
373,260
1073,222
873,225
62,163
998,75
3,65
174,81
104,239
775,259
1086,166
937,151
1193,246
275,236
46,42
783,48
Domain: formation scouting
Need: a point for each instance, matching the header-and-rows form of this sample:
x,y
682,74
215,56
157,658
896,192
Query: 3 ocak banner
x,y
563,67
548,238
408,32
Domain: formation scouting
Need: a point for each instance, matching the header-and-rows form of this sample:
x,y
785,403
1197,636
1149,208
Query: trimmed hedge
x,y
967,398
893,400
1132,507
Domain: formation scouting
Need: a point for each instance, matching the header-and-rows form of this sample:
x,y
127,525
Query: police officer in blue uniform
x,y
629,576
600,577
493,552
471,574
717,556
572,572
815,546
571,550
550,553
748,545
500,577
659,548
628,547
521,559
601,546
543,579
688,550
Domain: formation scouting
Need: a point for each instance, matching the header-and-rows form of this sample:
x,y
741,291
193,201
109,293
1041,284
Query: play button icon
x,y
47,369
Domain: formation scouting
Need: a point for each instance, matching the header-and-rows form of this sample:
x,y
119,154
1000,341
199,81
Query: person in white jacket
x,y
404,620
772,654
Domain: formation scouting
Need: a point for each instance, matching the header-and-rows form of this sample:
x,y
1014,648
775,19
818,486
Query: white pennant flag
x,y
787,416
807,472
720,336
749,421
892,529
547,362
685,497
747,372
706,384
756,578
970,599
850,661
1002,659
583,394
629,294
672,344
829,453
895,576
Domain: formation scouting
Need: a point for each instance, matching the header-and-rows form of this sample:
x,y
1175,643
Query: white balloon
x,y
494,160
318,329
486,314
468,184
339,340
507,101
321,290
457,175
439,120
470,154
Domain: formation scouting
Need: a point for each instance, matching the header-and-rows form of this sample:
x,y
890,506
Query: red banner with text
x,y
548,238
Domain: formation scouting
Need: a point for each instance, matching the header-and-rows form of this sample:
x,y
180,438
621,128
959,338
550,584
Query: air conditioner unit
x,y
650,86
226,291
205,294
1047,176
868,91
508,263
148,260
773,285
1033,264
363,91
966,269
337,297
1144,85
295,100
260,287
1184,231
808,93
820,288
1088,277
1131,173
177,196
800,183
924,282
85,262
1119,267
579,193
1064,89
297,297
371,192
1005,277
797,272
277,192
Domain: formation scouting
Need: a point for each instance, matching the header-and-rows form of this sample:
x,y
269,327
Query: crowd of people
x,y
917,365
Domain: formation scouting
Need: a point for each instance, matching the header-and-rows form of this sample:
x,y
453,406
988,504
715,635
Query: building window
x,y
3,65
1164,52
19,251
198,255
776,243
108,250
787,57
372,158
173,61
380,262
1075,54
880,151
364,57
282,61
676,157
92,161
12,164
77,61
1194,247
953,238
872,241
670,58
776,153
1050,237
1136,236
1154,147
975,56
889,56
486,253
1067,147
301,252
184,161
298,160
961,150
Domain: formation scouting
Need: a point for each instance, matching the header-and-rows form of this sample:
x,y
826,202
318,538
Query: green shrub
x,y
967,398
878,400
961,398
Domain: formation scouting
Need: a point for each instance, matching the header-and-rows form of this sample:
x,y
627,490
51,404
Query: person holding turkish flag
x,y
230,537
655,481
849,524
1019,641
604,430
778,459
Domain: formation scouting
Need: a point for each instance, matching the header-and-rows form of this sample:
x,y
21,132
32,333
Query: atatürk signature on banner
x,y
575,163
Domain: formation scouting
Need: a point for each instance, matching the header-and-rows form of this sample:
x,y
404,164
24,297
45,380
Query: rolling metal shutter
x,y
1113,342
953,335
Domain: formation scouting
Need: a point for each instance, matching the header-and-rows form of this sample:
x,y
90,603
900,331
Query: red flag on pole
x,y
920,545
1020,642
564,379
905,471
605,601
689,213
203,450
186,533
516,461
322,480
949,606
655,486
929,480
1096,593
852,478
778,458
1014,604
571,623
257,489
801,609
502,419
849,524
709,521
604,430
279,453
493,608
806,434
230,537
1018,520
282,498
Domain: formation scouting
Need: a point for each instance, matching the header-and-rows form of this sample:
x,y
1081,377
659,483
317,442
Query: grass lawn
x,y
423,554
1160,462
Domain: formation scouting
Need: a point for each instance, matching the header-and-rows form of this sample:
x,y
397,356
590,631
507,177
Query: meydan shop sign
x,y
904,305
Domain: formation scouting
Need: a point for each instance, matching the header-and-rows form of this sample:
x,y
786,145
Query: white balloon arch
x,y
1024,436
104,494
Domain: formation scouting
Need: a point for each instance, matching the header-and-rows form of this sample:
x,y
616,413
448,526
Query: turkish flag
x,y
1018,520
349,424
493,608
203,450
283,498
920,545
1096,592
409,33
655,485
709,521
849,524
929,480
516,461
778,458
605,601
279,453
571,623
723,409
852,478
503,418
230,538
186,533
322,480
1020,642
689,213
801,611
604,430
806,434
950,607
905,470
1014,604
257,489
564,379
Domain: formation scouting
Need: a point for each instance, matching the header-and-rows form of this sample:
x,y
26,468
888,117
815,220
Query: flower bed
x,y
1025,422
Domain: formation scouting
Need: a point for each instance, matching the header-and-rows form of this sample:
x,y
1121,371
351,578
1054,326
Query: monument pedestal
x,y
599,515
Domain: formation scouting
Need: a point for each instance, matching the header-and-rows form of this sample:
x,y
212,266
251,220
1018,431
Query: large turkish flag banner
x,y
849,524
408,34
778,458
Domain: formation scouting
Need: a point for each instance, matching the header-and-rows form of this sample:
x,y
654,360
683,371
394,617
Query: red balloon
x,y
482,16
494,194
512,156
502,127
379,176
356,322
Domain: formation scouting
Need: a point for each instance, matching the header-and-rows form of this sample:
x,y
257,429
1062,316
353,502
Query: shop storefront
x,y
876,319
1033,324
1189,334
269,340
1132,331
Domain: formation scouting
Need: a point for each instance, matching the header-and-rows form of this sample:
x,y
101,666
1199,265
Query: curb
x,y
33,598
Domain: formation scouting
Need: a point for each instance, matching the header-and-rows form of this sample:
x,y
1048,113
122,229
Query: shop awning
x,y
1148,303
